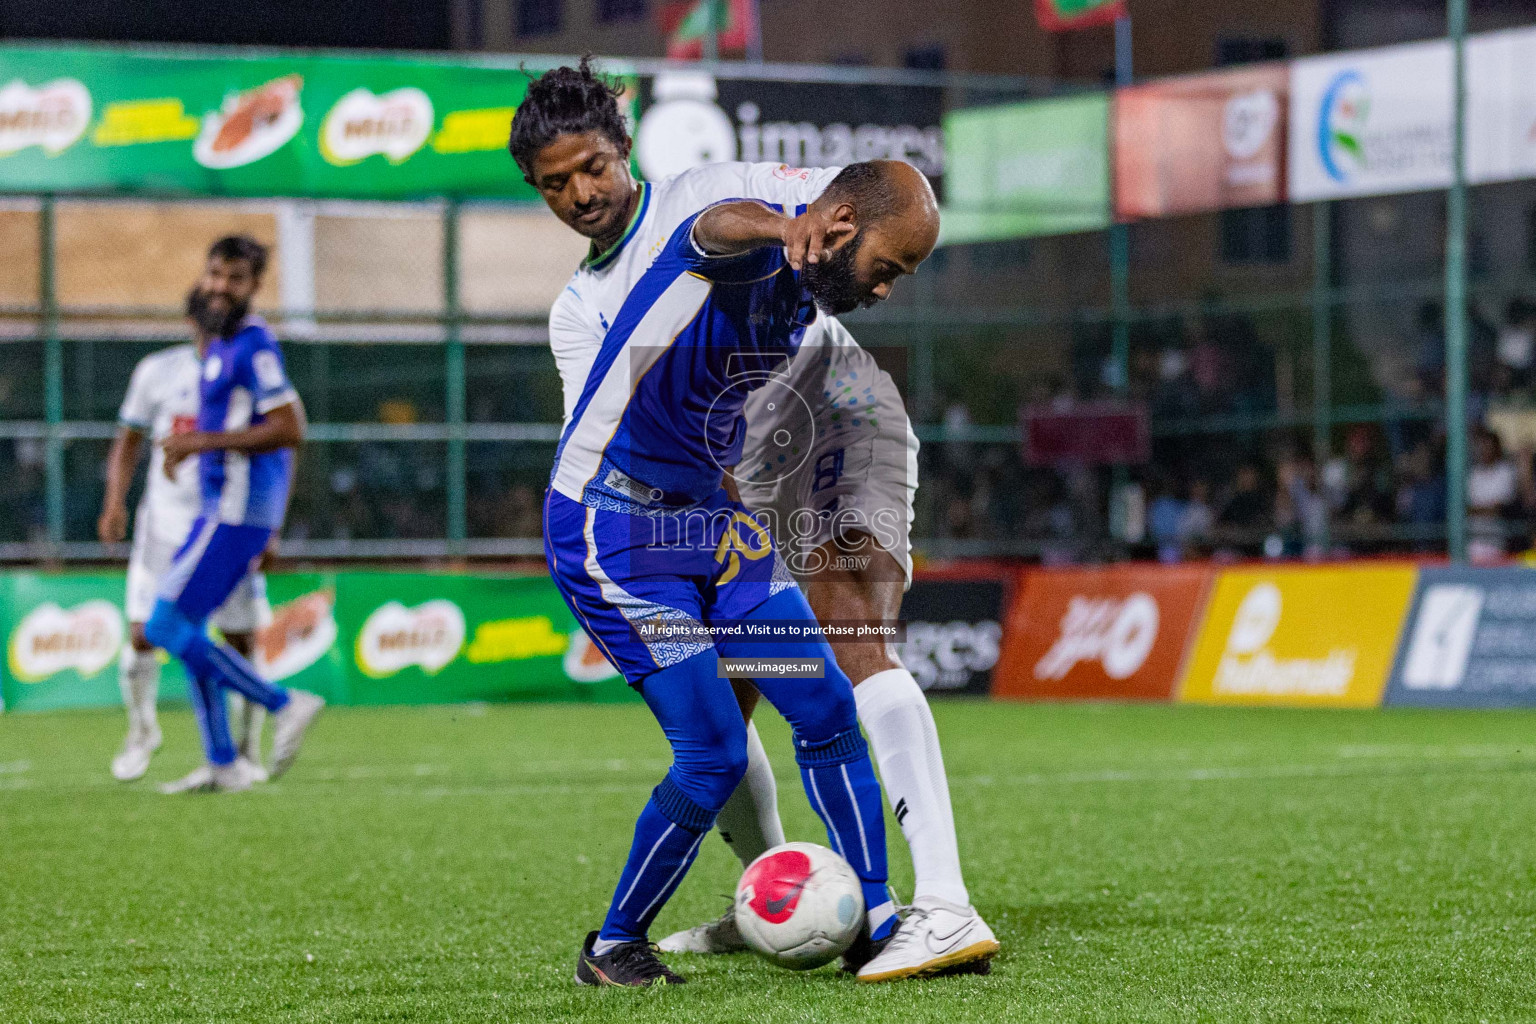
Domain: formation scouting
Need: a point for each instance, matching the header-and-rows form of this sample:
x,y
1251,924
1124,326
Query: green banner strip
x,y
107,120
354,638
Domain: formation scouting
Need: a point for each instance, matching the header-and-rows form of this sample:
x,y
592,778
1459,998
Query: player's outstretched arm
x,y
283,427
121,461
731,229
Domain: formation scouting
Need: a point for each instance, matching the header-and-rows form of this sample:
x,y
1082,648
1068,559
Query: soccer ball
x,y
799,905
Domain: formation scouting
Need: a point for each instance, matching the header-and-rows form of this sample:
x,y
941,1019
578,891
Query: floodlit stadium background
x,y
1192,320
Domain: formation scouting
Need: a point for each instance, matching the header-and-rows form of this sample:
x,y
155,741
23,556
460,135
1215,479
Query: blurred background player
x,y
161,401
249,421
569,139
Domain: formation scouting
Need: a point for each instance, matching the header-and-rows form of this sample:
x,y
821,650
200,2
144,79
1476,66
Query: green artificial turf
x,y
1154,863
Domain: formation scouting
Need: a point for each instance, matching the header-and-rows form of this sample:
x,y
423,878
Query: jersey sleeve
x,y
790,187
574,339
264,373
735,269
138,408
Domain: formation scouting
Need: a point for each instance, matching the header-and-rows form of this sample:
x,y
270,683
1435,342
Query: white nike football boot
x,y
133,760
718,936
934,936
288,727
235,777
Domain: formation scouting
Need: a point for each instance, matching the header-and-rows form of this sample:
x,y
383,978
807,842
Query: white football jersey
x,y
161,401
586,308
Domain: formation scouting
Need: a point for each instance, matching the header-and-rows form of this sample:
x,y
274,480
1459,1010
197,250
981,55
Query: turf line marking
x,y
1293,771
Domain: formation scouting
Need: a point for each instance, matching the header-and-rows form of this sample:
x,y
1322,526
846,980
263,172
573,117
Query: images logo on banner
x,y
1370,122
1299,636
953,630
1471,641
1107,633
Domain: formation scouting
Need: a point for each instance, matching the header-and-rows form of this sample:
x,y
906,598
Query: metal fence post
x,y
53,370
1456,300
454,356
1322,348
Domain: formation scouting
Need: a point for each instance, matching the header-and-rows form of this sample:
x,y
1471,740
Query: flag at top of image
x,y
686,22
1063,15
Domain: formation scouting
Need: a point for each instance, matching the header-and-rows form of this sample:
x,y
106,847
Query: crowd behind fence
x,y
435,414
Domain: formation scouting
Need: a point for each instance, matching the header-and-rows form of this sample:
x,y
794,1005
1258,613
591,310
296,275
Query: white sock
x,y
138,677
250,715
901,733
749,821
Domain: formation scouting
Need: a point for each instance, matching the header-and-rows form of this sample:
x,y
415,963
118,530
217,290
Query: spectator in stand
x,y
1248,511
1421,494
1493,492
1199,519
1516,346
1359,483
1165,521
1301,511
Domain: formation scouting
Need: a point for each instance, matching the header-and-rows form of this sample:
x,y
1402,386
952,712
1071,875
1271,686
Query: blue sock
x,y
224,663
212,720
667,838
840,782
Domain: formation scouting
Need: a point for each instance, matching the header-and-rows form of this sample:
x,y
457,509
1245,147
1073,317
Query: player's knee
x,y
829,712
138,640
168,628
689,803
711,778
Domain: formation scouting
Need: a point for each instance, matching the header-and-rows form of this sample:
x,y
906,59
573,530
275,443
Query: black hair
x,y
869,188
565,101
241,247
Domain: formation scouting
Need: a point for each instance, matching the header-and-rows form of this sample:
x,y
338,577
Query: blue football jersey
x,y
243,379
660,417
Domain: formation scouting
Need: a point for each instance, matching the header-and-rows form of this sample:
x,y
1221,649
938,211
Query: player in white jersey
x,y
161,401
829,462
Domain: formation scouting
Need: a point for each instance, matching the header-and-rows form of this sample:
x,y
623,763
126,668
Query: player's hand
x,y
180,446
268,554
809,237
113,524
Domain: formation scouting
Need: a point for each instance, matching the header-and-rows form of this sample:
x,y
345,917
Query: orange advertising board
x,y
1201,142
1114,632
1312,637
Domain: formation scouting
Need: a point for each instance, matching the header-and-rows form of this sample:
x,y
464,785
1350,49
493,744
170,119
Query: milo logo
x,y
393,125
51,117
51,639
395,637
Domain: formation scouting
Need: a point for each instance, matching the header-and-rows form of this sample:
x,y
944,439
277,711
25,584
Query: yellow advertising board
x,y
1312,637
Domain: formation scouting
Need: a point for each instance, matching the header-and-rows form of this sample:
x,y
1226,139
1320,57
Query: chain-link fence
x,y
1286,362
1291,373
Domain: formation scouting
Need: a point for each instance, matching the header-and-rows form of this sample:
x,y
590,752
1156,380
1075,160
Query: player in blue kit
x,y
660,564
249,421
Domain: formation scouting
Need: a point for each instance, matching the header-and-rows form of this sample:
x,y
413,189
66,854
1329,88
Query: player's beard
x,y
202,313
832,282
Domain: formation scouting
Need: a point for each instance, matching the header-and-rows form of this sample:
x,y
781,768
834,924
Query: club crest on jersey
x,y
212,367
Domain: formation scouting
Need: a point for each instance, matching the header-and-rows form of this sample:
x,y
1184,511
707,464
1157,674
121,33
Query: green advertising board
x,y
97,119
1037,168
353,637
